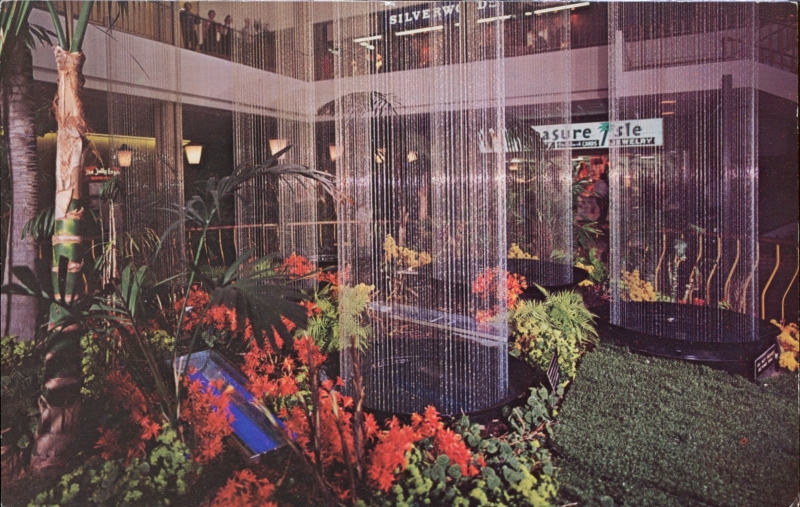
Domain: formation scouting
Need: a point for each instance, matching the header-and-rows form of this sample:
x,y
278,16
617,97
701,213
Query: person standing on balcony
x,y
210,33
248,35
188,23
226,35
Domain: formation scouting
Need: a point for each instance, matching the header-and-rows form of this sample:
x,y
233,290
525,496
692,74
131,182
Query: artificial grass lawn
x,y
639,431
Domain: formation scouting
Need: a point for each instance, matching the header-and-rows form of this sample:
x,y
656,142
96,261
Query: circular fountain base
x,y
692,333
521,377
552,276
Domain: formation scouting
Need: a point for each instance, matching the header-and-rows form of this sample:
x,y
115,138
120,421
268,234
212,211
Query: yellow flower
x,y
788,361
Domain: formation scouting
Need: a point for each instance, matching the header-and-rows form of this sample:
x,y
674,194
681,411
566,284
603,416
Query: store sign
x,y
602,134
767,362
96,174
440,13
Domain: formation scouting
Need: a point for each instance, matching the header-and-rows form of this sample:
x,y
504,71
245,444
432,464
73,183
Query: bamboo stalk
x,y
660,260
714,269
769,282
788,288
725,294
749,279
696,262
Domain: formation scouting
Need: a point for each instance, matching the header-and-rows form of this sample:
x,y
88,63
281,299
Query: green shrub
x,y
157,479
20,381
560,324
518,470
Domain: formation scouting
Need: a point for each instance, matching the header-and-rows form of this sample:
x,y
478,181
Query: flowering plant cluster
x,y
207,411
516,252
296,266
131,425
405,257
636,289
244,489
790,345
486,286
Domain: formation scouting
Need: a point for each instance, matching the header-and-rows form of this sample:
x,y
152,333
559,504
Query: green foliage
x,y
21,377
157,479
598,273
561,323
40,226
324,327
16,353
518,471
643,431
96,361
353,306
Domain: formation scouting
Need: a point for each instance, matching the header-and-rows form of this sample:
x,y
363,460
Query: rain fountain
x,y
684,230
539,172
427,205
150,128
273,112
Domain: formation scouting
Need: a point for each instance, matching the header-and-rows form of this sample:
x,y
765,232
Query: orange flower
x,y
207,411
296,266
328,277
486,286
244,489
129,434
108,444
390,454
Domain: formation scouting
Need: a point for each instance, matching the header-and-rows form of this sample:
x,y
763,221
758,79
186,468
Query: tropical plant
x,y
323,326
59,402
561,324
19,313
596,268
21,377
165,472
249,286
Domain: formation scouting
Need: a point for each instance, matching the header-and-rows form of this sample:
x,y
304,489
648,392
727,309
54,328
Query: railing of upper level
x,y
256,45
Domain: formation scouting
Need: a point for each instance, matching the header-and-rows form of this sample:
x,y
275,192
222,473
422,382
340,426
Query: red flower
x,y
244,489
308,352
208,413
328,277
370,426
129,435
296,266
108,444
150,429
449,443
390,454
486,286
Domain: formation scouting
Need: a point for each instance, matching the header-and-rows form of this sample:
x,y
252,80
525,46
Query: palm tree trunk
x,y
19,313
60,402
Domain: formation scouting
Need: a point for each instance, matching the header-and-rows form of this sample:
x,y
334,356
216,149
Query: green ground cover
x,y
638,431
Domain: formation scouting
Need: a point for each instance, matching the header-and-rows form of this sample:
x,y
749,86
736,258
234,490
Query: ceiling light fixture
x,y
561,7
669,101
494,18
276,145
667,112
193,153
367,39
124,156
335,152
420,30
